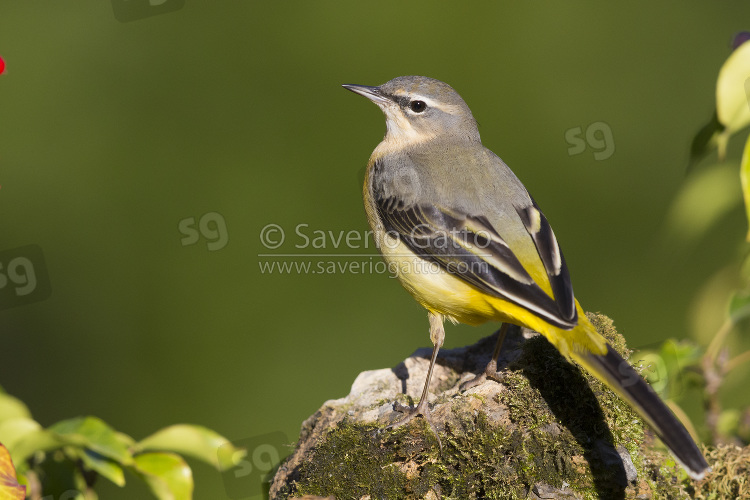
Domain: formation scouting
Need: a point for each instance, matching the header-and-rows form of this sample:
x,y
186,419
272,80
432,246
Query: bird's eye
x,y
417,106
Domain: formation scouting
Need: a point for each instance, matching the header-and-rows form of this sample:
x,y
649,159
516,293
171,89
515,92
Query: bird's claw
x,y
490,372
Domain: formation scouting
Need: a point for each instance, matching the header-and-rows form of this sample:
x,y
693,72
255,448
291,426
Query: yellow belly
x,y
441,292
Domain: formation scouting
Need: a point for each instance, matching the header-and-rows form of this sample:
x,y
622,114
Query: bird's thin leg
x,y
437,335
491,368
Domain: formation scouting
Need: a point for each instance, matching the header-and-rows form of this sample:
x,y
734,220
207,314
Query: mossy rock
x,y
548,430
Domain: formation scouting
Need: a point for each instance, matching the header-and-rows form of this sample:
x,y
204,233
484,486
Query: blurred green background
x,y
113,133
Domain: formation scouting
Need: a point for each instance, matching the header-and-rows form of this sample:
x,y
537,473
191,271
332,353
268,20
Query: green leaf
x,y
14,430
125,439
705,197
194,441
732,97
739,305
665,366
94,434
167,475
9,487
732,106
11,407
32,442
682,353
705,140
103,465
729,422
745,176
678,356
655,371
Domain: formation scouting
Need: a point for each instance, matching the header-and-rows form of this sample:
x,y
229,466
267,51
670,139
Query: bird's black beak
x,y
372,93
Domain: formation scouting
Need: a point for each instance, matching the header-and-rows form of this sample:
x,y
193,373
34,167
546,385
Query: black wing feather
x,y
444,237
552,258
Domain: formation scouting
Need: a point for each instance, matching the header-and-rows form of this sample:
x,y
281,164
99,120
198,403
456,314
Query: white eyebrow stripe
x,y
431,103
448,108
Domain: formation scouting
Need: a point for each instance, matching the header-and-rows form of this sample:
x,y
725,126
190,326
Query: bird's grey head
x,y
418,109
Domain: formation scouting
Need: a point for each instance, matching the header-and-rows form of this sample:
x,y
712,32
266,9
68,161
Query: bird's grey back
x,y
435,174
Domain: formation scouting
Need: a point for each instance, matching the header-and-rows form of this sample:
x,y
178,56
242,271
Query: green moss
x,y
544,386
483,461
554,425
525,404
349,463
606,328
479,460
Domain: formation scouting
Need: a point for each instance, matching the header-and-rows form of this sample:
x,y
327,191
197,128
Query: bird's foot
x,y
422,409
490,372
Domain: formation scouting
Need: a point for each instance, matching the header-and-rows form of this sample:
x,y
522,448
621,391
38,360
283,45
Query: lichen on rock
x,y
548,430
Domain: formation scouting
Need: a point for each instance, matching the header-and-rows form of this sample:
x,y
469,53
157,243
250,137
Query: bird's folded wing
x,y
469,247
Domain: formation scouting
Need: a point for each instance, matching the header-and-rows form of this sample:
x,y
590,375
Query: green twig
x,y
713,348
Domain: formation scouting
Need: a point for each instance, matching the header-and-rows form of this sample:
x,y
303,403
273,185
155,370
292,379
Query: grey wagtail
x,y
466,239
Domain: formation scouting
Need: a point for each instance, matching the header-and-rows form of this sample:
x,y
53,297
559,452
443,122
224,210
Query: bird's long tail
x,y
591,350
619,376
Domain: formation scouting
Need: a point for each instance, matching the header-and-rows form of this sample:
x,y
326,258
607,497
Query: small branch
x,y
714,370
715,346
